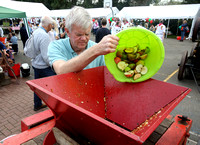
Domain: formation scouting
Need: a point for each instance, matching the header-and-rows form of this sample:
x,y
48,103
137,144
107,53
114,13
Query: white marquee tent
x,y
94,12
60,13
160,12
188,11
32,9
103,12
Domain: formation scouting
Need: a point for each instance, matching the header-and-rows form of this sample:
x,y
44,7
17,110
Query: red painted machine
x,y
91,107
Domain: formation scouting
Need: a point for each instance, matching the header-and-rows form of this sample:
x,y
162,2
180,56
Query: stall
x,y
31,9
9,13
12,13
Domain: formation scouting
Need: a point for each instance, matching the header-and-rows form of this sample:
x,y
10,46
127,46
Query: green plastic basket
x,y
131,37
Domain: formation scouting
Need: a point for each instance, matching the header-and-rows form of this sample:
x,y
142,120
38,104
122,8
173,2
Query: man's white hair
x,y
46,20
78,16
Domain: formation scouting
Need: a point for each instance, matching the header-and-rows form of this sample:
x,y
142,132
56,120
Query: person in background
x,y
62,32
112,26
23,34
102,31
53,34
124,24
146,25
34,27
1,32
118,27
9,54
58,22
13,40
131,24
40,63
30,28
10,30
78,52
183,29
99,22
37,21
95,27
2,48
152,28
160,30
9,36
21,22
6,50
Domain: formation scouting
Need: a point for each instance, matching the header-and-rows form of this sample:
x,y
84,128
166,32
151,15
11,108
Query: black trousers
x,y
15,47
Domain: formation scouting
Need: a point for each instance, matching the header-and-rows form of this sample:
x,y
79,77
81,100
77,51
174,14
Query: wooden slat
x,y
159,131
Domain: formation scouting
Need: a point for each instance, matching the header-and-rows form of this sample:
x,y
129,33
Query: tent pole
x,y
177,28
112,12
167,27
26,26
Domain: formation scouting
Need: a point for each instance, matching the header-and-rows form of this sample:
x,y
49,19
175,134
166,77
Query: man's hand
x,y
108,44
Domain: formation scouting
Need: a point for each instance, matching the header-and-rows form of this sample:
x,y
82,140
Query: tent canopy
x,y
102,12
10,13
32,9
160,12
94,12
60,13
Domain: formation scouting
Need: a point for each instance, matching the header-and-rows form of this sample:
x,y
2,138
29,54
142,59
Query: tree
x,y
87,4
191,1
67,4
55,4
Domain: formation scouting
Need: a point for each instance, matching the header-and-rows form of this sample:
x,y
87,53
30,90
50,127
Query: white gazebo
x,y
94,12
187,11
32,9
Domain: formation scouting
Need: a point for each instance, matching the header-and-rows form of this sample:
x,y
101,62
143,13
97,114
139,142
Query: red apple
x,y
117,60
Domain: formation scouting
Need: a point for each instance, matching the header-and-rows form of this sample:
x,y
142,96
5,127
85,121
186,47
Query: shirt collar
x,y
43,29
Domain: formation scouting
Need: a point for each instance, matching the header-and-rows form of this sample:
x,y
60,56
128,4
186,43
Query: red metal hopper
x,y
92,105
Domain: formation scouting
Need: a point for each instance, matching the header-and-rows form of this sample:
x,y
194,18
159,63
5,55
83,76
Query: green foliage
x,y
6,24
67,4
191,2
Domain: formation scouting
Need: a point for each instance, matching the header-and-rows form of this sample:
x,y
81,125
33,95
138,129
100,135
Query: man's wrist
x,y
94,50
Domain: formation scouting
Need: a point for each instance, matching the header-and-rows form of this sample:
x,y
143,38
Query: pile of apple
x,y
131,61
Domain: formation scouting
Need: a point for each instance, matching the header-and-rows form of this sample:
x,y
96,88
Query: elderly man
x,y
40,63
77,52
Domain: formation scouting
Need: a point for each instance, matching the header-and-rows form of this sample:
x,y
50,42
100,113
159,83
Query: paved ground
x,y
16,100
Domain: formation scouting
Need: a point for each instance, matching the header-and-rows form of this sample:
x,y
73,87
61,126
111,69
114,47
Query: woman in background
x,y
183,29
13,40
23,34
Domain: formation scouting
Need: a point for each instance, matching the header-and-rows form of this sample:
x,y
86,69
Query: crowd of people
x,y
73,50
118,25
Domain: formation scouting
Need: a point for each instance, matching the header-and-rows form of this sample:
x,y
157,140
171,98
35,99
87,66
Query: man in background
x,y
40,63
103,31
1,32
23,34
160,30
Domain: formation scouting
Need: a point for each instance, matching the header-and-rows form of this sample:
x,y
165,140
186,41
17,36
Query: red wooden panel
x,y
177,134
27,122
130,104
